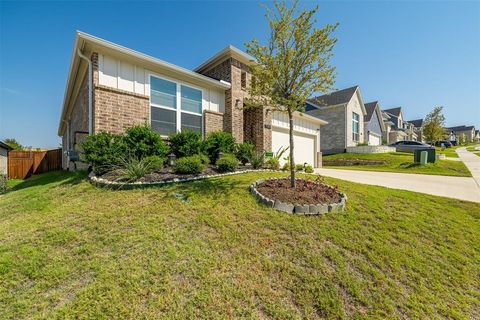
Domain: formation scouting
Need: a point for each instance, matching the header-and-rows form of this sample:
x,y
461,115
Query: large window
x,y
355,126
166,117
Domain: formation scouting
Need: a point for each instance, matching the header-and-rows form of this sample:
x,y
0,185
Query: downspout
x,y
90,91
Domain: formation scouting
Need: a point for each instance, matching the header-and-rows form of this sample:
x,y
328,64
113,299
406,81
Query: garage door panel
x,y
304,146
374,140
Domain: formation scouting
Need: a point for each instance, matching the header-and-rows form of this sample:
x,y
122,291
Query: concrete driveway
x,y
463,188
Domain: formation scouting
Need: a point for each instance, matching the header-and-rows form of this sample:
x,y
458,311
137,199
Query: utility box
x,y
417,154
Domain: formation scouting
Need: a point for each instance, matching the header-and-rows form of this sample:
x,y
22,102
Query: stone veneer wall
x,y
332,135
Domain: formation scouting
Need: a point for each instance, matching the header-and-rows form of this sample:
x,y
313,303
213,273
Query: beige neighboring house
x,y
418,128
111,88
388,123
397,130
4,149
344,111
461,133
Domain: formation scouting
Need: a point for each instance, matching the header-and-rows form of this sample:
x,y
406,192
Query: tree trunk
x,y
292,160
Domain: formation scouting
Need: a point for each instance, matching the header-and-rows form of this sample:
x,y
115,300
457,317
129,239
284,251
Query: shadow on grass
x,y
62,177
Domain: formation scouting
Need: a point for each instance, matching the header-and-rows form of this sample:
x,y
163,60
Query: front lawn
x,y
207,249
448,152
402,162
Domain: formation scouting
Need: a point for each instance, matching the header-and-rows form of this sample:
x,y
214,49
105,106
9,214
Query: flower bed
x,y
308,197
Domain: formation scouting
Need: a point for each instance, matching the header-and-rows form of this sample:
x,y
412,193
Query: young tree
x,y
434,127
13,143
294,64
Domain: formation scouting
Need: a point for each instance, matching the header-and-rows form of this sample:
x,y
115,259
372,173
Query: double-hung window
x,y
166,116
355,126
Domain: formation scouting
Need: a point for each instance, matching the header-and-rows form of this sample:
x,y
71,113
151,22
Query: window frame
x,y
355,135
178,102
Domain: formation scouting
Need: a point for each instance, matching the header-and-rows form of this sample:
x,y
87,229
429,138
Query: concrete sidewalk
x,y
463,188
472,162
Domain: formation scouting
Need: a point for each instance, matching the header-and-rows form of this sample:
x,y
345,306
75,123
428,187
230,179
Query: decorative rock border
x,y
98,181
306,209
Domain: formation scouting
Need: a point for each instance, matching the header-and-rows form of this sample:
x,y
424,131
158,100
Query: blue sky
x,y
410,54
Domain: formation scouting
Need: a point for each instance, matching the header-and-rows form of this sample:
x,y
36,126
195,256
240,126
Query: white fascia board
x,y
225,52
301,115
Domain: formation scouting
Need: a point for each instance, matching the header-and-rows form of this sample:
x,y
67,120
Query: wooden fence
x,y
22,164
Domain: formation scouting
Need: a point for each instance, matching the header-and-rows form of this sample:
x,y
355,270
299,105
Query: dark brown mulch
x,y
305,192
167,174
352,162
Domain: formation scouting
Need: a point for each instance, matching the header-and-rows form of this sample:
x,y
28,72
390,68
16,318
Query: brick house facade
x,y
122,84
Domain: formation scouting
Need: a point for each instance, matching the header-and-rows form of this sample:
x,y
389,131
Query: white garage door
x,y
304,146
374,140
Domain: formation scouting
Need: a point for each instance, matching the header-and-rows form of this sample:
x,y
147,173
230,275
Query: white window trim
x,y
358,127
178,110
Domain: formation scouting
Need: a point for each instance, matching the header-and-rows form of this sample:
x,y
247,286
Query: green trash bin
x,y
430,156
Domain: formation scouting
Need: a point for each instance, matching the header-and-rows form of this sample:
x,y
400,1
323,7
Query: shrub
x,y
244,151
308,169
143,141
286,166
299,167
131,168
227,163
257,160
203,159
191,164
186,143
103,151
217,142
273,163
156,162
3,183
362,144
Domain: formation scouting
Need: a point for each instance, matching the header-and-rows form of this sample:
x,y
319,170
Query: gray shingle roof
x,y
394,111
416,123
461,128
370,107
5,146
334,98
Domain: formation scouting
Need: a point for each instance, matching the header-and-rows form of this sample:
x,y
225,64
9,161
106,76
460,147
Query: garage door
x,y
304,146
374,140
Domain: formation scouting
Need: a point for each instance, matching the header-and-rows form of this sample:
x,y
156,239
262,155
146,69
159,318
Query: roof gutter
x,y
90,91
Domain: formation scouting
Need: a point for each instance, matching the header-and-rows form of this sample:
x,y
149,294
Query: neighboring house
x,y
397,131
418,128
4,149
124,87
477,136
461,133
344,111
374,125
388,123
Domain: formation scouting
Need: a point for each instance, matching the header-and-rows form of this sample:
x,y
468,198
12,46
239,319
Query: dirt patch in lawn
x,y
305,192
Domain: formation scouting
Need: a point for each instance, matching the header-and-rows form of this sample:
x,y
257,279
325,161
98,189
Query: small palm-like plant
x,y
131,168
257,160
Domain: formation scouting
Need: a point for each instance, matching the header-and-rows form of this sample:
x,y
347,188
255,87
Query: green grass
x,y
403,162
207,249
448,152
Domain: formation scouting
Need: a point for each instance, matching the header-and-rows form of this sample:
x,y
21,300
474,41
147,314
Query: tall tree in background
x,y
13,143
294,64
434,127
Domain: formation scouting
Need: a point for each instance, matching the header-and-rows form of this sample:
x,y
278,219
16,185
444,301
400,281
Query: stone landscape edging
x,y
306,209
138,184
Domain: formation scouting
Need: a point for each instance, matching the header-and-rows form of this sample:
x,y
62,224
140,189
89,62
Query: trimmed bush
x,y
227,163
191,164
203,159
3,183
156,162
143,141
257,160
299,167
186,143
308,169
217,142
244,151
104,151
273,163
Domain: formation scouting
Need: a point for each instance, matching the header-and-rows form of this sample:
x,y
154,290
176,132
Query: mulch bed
x,y
305,192
167,174
352,162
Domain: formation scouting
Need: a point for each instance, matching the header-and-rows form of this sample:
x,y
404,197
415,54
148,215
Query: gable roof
x,y
334,98
394,111
416,123
5,146
229,51
370,107
461,128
